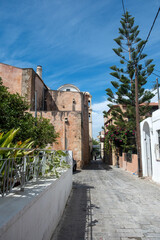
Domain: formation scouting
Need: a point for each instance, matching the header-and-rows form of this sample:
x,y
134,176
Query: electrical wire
x,y
156,70
147,36
152,72
155,74
149,32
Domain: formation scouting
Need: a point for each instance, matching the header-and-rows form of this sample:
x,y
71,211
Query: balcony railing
x,y
17,171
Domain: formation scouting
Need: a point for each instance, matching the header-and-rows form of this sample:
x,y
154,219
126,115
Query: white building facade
x,y
150,146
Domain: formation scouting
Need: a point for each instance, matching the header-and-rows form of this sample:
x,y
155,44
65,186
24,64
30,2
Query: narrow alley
x,y
110,204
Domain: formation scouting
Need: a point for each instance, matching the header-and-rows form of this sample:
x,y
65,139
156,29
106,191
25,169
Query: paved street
x,y
110,204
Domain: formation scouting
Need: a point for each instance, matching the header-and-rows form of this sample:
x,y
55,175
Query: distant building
x,y
68,109
110,154
101,139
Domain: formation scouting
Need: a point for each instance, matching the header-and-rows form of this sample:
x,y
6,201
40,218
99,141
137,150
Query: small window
x,y
128,156
157,146
68,90
158,143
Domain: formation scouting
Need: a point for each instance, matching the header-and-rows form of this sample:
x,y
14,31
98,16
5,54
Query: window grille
x,y
158,144
129,157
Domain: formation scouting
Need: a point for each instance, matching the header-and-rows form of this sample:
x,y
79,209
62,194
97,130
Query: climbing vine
x,y
119,137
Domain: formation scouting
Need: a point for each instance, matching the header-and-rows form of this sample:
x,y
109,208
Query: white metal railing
x,y
17,171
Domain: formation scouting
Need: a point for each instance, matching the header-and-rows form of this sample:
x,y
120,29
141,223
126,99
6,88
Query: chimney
x,y
39,71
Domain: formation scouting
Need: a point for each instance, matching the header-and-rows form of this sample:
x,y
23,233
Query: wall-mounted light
x,y
66,120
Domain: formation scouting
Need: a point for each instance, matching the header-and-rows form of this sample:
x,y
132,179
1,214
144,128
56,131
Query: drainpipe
x,y
65,122
35,107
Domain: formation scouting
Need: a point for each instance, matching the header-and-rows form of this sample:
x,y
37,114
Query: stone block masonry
x,y
70,136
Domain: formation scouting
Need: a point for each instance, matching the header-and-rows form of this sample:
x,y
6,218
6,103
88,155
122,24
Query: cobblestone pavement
x,y
110,204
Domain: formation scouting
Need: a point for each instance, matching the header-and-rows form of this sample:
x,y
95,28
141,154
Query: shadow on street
x,y
77,221
110,204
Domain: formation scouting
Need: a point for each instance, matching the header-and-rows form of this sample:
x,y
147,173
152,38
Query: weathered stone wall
x,y
32,83
50,104
11,77
27,85
39,88
70,137
90,122
74,134
85,130
67,101
129,166
74,106
25,82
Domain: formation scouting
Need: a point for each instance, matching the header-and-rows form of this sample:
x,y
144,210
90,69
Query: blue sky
x,y
72,40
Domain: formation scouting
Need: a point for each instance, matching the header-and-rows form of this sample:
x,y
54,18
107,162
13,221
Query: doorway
x,y
147,145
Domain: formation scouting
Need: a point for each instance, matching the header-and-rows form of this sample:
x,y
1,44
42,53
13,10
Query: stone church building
x,y
68,109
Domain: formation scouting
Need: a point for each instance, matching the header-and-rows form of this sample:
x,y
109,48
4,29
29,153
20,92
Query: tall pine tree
x,y
129,51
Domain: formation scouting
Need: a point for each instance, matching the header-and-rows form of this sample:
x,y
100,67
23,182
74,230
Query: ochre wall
x,y
39,88
74,107
86,155
129,166
72,130
11,77
25,82
27,85
67,101
73,134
